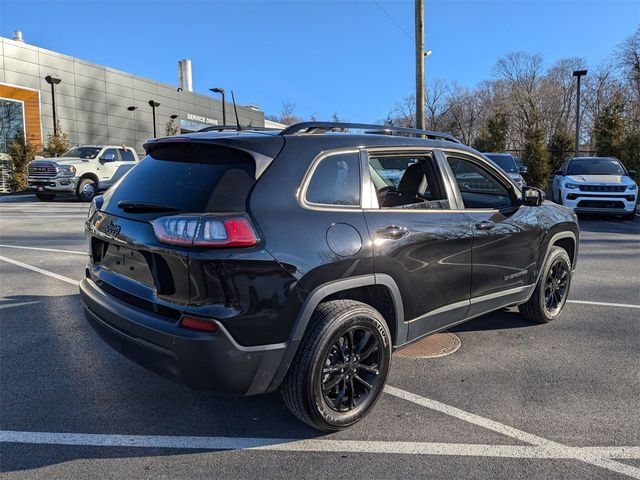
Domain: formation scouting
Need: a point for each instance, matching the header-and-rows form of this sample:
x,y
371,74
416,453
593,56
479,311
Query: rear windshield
x,y
188,178
505,162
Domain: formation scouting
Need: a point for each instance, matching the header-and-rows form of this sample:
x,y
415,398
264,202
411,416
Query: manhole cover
x,y
436,345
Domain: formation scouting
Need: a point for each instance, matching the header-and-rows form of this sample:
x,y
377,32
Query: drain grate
x,y
436,345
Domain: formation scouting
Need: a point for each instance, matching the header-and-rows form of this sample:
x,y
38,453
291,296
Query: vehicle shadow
x,y
608,224
499,320
57,375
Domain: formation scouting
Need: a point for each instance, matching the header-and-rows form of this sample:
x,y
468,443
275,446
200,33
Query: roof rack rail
x,y
221,128
308,128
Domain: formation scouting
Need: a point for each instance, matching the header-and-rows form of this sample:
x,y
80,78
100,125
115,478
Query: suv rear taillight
x,y
205,230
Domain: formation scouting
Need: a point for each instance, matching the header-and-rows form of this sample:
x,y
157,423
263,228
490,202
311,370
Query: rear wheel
x,y
45,197
550,295
341,366
87,189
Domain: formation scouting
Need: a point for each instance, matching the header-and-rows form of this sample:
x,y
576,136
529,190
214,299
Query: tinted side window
x,y
336,181
126,155
478,188
111,151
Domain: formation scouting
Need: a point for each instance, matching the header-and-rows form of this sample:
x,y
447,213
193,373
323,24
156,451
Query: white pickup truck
x,y
84,170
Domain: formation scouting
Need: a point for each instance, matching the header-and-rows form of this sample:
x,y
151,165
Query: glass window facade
x,y
11,122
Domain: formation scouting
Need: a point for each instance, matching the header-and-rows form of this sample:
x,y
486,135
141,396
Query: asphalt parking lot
x,y
517,400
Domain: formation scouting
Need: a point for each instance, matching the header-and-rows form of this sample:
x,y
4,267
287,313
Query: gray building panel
x,y
92,100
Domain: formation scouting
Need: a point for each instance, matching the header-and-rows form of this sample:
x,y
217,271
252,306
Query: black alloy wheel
x,y
556,287
552,289
351,368
341,365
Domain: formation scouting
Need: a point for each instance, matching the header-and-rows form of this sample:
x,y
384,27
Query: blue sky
x,y
323,56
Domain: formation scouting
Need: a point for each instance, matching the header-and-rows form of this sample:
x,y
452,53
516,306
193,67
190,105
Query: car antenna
x,y
233,99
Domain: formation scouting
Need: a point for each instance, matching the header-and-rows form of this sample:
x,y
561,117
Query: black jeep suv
x,y
246,261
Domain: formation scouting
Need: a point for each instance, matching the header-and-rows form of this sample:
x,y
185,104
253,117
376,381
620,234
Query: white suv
x,y
84,170
596,185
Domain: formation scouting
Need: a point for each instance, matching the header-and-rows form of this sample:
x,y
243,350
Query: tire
x,y
87,189
551,292
45,197
629,216
336,331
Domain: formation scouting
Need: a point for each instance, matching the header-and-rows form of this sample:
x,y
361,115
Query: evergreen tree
x,y
493,138
536,158
21,153
631,151
561,147
57,143
608,129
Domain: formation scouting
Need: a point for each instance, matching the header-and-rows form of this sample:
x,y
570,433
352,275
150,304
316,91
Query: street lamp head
x,y
428,53
51,80
579,73
173,117
179,89
153,103
217,90
132,108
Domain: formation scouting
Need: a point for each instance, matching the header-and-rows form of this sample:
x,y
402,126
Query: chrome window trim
x,y
301,194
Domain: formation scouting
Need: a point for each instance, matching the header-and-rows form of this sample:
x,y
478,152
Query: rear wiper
x,y
129,206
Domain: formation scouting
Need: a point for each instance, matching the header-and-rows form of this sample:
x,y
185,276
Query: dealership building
x,y
96,104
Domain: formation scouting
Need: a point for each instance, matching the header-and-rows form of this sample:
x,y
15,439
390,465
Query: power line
x,y
407,34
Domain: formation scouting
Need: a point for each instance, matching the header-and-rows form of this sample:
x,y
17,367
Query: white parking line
x,y
41,249
40,270
604,304
311,445
588,456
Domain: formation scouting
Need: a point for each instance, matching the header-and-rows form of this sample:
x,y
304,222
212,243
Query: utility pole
x,y
420,123
578,74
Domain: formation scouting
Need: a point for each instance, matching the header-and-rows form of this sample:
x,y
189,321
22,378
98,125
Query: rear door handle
x,y
484,225
392,232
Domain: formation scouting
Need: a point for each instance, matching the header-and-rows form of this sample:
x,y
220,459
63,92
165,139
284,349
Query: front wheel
x,y
87,189
341,366
551,292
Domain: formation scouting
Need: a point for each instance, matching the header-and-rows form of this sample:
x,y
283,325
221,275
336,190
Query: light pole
x,y
53,81
133,109
153,104
224,112
419,11
578,74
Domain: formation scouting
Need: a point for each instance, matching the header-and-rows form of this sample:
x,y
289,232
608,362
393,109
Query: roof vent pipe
x,y
184,75
17,36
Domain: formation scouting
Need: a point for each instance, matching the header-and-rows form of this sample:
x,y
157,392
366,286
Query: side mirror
x,y
108,157
532,196
559,172
523,169
632,173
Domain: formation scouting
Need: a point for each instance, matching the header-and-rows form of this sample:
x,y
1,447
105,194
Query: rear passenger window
x,y
127,155
336,181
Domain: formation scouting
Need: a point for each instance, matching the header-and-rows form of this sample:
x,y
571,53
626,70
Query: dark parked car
x,y
509,164
246,261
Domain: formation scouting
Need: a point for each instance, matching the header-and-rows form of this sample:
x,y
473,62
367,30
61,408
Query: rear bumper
x,y
204,361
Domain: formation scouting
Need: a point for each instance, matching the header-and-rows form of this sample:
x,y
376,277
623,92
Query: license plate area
x,y
128,262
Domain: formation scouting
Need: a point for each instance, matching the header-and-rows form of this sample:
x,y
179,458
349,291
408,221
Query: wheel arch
x,y
90,176
344,288
378,290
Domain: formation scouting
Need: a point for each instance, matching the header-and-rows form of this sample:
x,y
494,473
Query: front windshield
x,y
595,166
83,152
505,162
